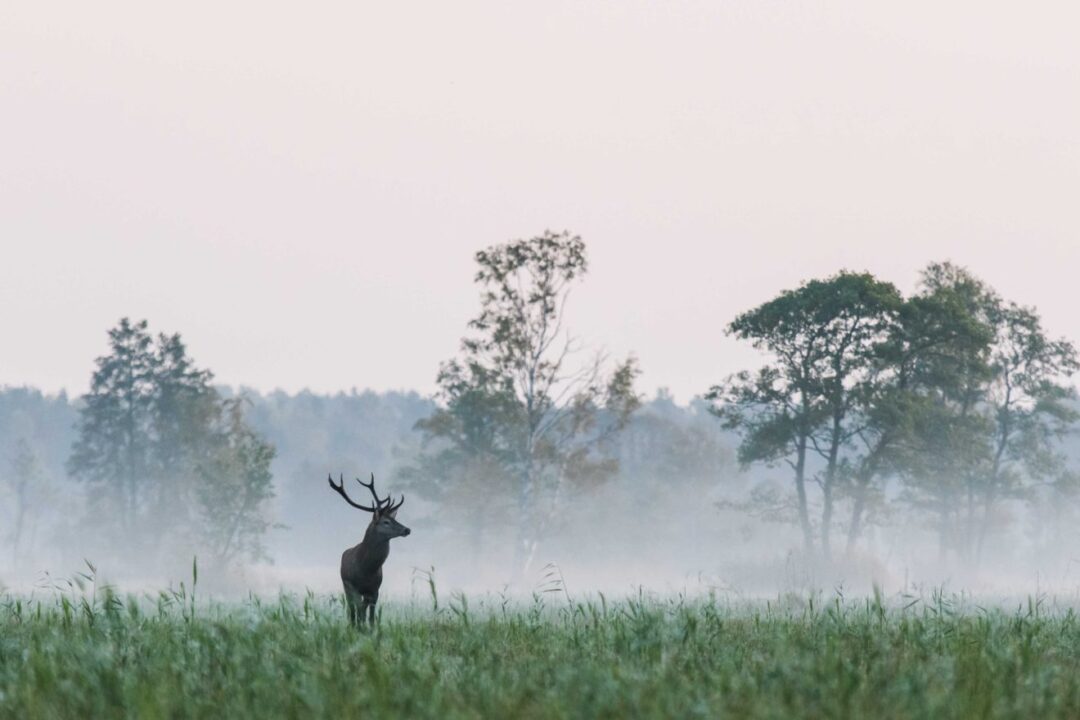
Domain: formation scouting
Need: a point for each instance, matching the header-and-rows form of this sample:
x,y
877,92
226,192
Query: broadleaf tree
x,y
990,433
235,485
821,340
954,392
936,347
516,403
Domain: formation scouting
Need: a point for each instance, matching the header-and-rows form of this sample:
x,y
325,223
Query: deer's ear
x,y
392,514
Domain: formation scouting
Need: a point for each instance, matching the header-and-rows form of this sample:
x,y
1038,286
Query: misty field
x,y
104,656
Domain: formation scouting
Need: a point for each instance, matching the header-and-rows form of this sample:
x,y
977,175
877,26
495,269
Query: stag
x,y
361,566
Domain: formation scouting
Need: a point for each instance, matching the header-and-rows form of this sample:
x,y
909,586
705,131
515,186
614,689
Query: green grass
x,y
96,655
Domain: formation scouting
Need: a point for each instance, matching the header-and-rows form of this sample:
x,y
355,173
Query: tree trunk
x,y
969,522
857,509
827,488
826,521
20,518
527,540
984,527
800,489
867,472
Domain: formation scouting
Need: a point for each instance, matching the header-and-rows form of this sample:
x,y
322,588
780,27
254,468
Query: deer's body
x,y
361,574
361,565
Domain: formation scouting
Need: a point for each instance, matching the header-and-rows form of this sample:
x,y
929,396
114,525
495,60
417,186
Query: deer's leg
x,y
371,600
353,606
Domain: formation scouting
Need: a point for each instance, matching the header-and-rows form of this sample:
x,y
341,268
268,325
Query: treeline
x,y
680,446
948,409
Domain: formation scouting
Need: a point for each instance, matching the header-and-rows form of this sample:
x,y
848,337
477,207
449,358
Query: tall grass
x,y
86,652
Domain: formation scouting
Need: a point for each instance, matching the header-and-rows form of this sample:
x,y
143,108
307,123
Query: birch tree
x,y
518,396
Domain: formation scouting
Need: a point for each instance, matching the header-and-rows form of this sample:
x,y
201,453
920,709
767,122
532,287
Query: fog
x,y
659,525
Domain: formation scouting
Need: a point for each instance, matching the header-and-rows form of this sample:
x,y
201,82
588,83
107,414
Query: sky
x,y
299,188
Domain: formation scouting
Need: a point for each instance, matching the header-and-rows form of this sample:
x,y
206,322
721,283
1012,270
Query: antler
x,y
339,488
386,504
371,486
392,507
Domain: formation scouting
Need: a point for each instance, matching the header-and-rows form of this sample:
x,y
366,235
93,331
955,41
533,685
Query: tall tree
x,y
989,413
25,482
166,453
116,425
465,452
1029,407
937,346
514,398
236,484
821,338
940,432
187,417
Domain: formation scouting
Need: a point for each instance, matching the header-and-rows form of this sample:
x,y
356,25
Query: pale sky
x,y
298,188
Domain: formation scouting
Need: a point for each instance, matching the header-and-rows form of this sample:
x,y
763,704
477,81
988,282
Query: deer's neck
x,y
375,549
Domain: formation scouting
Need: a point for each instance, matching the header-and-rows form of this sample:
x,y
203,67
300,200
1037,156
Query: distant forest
x,y
879,425
665,448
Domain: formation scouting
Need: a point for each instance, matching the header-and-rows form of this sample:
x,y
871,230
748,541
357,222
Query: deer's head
x,y
384,522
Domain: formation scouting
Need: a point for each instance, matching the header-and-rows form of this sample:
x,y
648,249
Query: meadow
x,y
96,654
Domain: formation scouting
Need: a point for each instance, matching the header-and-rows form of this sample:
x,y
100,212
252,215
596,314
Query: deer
x,y
361,565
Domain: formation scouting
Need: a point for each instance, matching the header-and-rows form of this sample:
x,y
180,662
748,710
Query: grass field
x,y
97,655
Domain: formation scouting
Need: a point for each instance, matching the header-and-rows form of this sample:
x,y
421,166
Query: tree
x,y
1028,407
116,427
821,338
188,419
513,403
934,349
465,453
235,485
986,410
25,481
166,453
